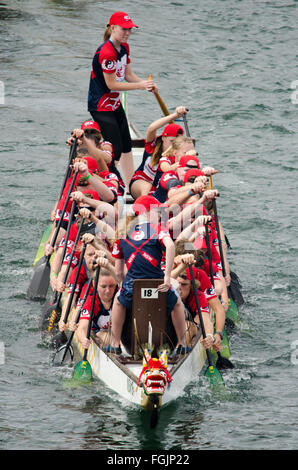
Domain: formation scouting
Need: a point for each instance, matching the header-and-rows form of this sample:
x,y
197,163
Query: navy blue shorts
x,y
124,296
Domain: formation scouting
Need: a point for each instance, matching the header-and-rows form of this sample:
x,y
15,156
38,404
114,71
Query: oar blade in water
x,y
83,372
214,376
63,355
39,284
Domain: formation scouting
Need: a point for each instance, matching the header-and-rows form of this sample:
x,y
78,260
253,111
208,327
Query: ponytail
x,y
107,33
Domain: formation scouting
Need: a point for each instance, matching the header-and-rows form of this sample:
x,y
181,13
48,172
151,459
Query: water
x,y
232,64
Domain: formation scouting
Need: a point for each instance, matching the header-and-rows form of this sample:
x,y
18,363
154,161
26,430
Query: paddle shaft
x,y
219,237
199,312
72,154
186,125
160,100
92,308
63,211
75,283
58,296
209,253
66,347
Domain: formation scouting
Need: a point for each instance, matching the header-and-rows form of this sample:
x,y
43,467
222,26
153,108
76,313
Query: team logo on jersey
x,y
116,250
108,64
137,235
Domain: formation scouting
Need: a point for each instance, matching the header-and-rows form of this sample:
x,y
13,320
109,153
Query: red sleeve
x,y
117,253
107,58
150,146
86,308
169,180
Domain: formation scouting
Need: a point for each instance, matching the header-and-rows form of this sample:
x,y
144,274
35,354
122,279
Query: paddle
x,y
186,125
57,338
65,347
160,100
83,371
39,284
53,301
212,373
55,308
222,362
72,155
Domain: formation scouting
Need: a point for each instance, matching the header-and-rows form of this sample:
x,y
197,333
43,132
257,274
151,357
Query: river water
x,y
234,65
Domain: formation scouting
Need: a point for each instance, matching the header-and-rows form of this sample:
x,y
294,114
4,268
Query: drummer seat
x,y
148,318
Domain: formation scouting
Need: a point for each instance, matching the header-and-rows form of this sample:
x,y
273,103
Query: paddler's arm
x,y
181,195
103,191
154,126
130,84
119,269
170,255
220,318
82,333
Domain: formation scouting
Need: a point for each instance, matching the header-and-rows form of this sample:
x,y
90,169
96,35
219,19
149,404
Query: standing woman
x,y
110,67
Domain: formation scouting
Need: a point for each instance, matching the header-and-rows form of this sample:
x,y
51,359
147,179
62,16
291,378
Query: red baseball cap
x,y
172,130
92,193
90,125
185,159
200,243
122,19
145,203
192,172
92,164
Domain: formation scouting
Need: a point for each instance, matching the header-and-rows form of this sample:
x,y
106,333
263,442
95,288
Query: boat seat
x,y
148,314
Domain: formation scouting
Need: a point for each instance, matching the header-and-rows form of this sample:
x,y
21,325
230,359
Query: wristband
x,y
53,274
85,178
190,193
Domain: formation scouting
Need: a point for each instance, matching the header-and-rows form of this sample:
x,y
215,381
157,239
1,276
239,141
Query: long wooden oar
x,y
61,352
212,373
83,370
57,338
160,100
39,284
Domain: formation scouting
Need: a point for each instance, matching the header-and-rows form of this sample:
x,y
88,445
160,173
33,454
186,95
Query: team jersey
x,y
168,181
142,251
205,284
82,278
191,306
170,160
101,315
107,59
146,171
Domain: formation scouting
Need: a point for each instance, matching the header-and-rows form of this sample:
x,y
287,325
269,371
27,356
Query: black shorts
x,y
114,128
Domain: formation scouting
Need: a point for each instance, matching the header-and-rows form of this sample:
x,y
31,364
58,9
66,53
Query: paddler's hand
x,y
209,171
210,194
148,85
101,261
85,213
82,168
77,196
165,286
48,250
188,258
73,326
180,110
87,238
197,187
62,326
86,343
60,286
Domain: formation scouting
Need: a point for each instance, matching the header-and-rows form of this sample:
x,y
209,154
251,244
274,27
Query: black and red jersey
x,y
107,59
142,251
